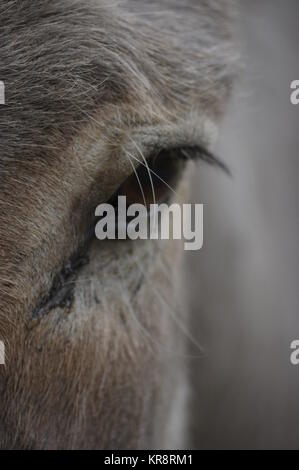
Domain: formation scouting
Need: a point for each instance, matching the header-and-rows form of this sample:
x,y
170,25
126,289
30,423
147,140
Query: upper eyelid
x,y
194,135
193,130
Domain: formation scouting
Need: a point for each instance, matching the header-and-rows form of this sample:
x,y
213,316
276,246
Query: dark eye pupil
x,y
154,182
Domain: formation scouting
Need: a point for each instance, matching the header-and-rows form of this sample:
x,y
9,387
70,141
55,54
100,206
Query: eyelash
x,y
202,154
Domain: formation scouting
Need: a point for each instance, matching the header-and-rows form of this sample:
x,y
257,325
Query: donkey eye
x,y
154,180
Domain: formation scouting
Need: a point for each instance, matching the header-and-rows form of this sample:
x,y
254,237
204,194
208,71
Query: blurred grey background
x,y
245,281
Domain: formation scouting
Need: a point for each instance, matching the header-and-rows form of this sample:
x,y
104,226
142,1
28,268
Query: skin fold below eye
x,y
61,292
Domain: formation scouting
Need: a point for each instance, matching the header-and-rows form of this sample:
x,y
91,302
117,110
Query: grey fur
x,y
81,77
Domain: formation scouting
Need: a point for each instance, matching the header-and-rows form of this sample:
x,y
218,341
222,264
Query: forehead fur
x,y
62,60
